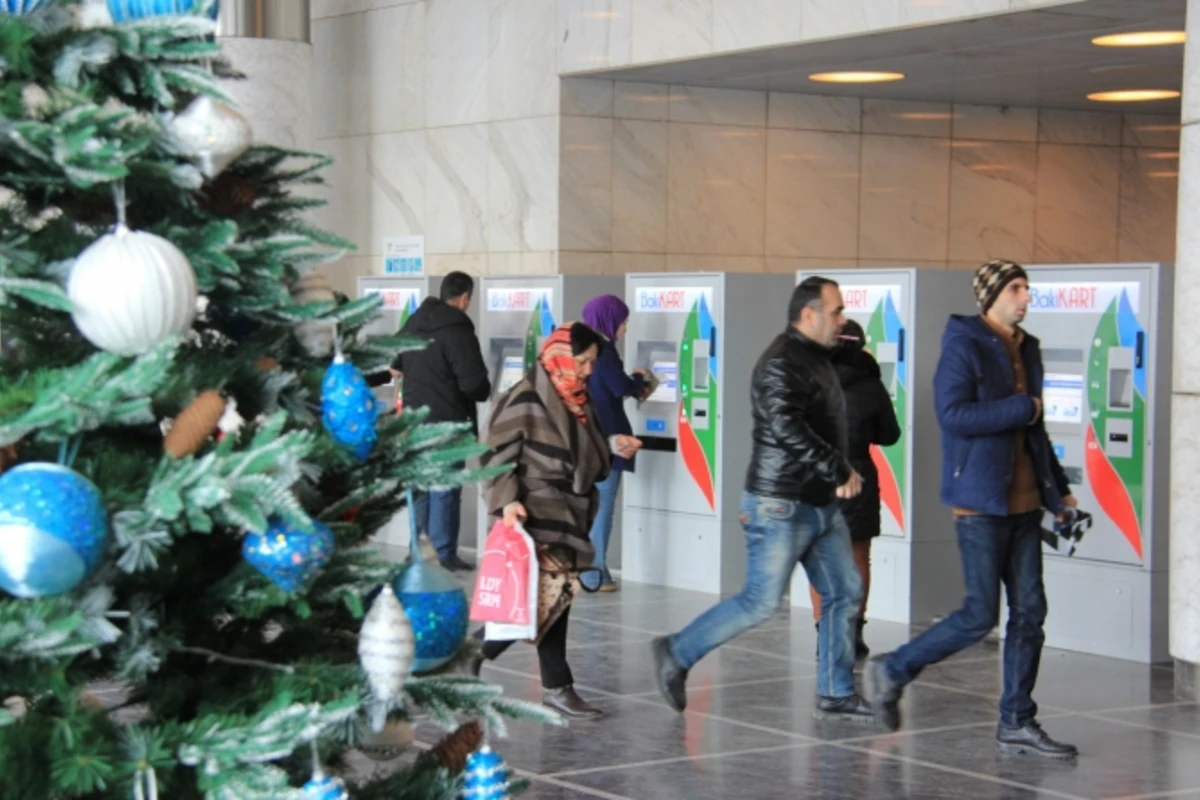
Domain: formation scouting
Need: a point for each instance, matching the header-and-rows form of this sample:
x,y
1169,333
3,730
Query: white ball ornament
x,y
130,291
213,132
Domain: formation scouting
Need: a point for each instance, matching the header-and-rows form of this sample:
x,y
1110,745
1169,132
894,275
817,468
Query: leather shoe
x,y
566,702
670,677
848,709
1032,740
456,564
882,693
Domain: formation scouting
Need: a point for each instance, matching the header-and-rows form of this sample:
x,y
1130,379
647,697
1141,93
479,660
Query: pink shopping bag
x,y
505,594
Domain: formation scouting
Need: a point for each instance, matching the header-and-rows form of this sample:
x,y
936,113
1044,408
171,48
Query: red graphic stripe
x,y
1110,492
695,460
889,491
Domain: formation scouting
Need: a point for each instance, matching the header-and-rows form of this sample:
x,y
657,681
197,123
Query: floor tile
x,y
633,731
1115,760
819,771
788,705
1070,681
1180,718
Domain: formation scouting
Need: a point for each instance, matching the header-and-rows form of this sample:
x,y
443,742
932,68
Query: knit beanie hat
x,y
992,277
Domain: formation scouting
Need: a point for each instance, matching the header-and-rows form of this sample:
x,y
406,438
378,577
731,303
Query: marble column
x,y
268,41
1185,394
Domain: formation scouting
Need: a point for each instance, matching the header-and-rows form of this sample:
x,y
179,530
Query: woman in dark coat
x,y
871,420
609,386
545,426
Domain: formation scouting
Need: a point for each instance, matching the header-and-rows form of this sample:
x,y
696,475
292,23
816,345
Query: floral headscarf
x,y
559,362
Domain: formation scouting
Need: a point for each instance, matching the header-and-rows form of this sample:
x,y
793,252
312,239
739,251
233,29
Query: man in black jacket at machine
x,y
448,377
798,471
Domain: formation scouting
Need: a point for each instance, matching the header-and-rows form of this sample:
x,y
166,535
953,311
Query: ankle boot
x,y
861,650
566,702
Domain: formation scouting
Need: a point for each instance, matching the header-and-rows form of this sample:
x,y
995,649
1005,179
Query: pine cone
x,y
452,751
194,424
9,455
227,195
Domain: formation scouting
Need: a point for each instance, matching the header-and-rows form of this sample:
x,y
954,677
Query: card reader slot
x,y
1118,437
660,444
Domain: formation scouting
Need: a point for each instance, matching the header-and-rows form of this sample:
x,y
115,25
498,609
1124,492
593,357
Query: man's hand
x,y
1070,502
395,373
851,488
1037,410
626,446
514,513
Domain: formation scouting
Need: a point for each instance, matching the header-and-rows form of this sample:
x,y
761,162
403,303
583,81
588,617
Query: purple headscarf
x,y
605,315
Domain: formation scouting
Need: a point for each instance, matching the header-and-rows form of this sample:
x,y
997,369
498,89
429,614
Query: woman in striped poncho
x,y
545,425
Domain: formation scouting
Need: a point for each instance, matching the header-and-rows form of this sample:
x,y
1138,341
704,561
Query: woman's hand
x,y
514,513
626,446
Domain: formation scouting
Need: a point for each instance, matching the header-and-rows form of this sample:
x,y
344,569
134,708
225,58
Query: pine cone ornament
x,y
9,455
228,195
452,751
194,424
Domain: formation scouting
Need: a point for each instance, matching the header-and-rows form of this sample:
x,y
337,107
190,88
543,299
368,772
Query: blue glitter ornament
x,y
324,787
486,776
53,529
20,7
435,603
289,556
128,10
349,408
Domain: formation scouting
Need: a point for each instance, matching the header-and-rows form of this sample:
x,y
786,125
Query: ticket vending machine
x,y
1105,332
516,315
401,296
700,334
915,566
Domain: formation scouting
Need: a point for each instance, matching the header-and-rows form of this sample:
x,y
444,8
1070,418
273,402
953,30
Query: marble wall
x,y
684,178
600,34
442,117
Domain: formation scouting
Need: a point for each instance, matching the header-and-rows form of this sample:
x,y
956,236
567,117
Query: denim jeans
x,y
602,530
778,534
439,514
994,550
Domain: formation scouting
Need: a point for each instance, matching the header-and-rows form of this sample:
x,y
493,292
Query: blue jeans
x,y
778,534
439,514
994,550
602,527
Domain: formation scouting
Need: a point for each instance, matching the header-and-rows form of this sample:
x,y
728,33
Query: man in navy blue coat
x,y
999,473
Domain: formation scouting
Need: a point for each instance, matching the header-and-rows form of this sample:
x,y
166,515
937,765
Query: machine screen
x,y
667,373
1062,397
511,372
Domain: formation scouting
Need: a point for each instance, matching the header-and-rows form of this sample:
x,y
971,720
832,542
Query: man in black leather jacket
x,y
798,471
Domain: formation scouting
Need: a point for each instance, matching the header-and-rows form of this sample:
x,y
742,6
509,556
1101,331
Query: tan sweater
x,y
1023,494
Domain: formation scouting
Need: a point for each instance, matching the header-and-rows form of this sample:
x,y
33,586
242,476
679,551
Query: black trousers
x,y
552,653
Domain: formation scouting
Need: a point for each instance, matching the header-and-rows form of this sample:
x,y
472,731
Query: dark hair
x,y
853,337
455,285
807,295
583,337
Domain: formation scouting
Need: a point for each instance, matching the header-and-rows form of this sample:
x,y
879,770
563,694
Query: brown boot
x,y
566,702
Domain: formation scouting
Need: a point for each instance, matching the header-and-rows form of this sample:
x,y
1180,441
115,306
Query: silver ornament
x,y
386,646
213,132
131,290
317,336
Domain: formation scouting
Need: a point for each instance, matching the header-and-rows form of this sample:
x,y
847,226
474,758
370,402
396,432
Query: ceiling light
x,y
1163,174
856,77
1133,95
991,167
924,115
1141,39
1165,155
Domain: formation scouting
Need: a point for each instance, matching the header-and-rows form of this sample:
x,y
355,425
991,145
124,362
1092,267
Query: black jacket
x,y
448,376
870,419
799,423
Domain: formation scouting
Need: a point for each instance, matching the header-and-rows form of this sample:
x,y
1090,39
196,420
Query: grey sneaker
x,y
882,693
848,709
1032,740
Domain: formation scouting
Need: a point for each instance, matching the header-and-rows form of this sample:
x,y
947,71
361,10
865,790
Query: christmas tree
x,y
191,463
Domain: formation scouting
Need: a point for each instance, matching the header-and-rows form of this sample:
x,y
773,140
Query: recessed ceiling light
x,y
1133,95
1141,39
856,77
1163,174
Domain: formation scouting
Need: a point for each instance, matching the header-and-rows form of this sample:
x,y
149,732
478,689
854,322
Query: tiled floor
x,y
749,731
